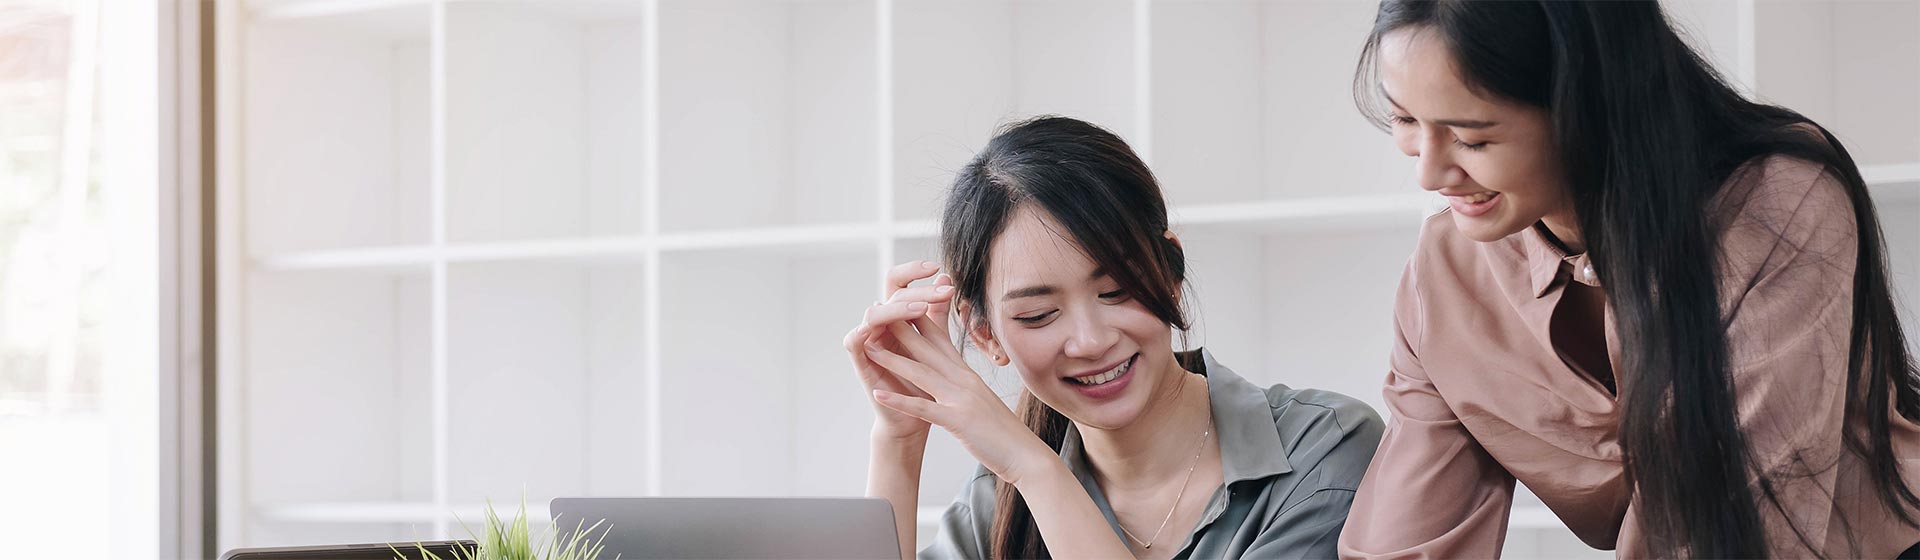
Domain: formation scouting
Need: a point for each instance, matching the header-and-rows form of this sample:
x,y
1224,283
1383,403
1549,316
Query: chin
x,y
1486,229
1108,415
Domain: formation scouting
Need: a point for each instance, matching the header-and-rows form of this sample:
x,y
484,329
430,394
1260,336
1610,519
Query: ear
x,y
1179,291
981,335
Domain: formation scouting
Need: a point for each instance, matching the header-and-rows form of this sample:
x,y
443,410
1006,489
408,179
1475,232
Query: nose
x,y
1091,336
1434,167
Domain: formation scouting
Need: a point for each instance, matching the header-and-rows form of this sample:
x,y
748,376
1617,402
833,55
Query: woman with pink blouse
x,y
1661,306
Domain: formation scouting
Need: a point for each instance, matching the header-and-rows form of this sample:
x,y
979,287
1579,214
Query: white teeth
x,y
1479,197
1110,375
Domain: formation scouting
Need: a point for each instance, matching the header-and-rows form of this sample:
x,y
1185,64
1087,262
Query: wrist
x,y
1038,466
909,442
893,467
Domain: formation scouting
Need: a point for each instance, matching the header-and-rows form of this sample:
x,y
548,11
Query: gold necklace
x,y
1148,544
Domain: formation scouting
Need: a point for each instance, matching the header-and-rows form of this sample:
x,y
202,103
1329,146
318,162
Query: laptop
x,y
445,550
743,528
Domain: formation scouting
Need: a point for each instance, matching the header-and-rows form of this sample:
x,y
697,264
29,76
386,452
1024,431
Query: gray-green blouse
x,y
1292,459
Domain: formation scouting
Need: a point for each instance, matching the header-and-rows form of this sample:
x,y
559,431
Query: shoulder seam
x,y
1329,410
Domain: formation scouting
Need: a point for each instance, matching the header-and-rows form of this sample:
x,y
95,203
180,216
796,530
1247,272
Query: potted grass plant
x,y
499,539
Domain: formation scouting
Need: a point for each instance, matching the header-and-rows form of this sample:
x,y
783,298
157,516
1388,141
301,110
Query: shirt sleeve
x,y
1431,490
1308,526
964,525
1787,258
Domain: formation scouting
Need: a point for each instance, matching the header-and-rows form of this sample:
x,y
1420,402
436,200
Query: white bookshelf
x,y
600,247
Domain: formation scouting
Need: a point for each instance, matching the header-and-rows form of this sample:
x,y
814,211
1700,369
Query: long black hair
x,y
1094,186
1647,134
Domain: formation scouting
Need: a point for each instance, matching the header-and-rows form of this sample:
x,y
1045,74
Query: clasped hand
x,y
906,359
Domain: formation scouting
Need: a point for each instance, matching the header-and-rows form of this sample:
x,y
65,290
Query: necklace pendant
x,y
1149,545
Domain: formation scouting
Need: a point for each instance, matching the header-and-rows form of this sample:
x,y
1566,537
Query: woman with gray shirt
x,y
1060,264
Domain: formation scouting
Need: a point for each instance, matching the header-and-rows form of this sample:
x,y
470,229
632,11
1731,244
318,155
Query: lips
x,y
1474,204
1106,383
1105,376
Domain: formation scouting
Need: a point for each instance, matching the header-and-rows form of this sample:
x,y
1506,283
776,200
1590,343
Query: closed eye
x,y
1114,295
1035,319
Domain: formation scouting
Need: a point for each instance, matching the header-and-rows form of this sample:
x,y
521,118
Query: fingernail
x,y
917,306
929,265
943,289
879,394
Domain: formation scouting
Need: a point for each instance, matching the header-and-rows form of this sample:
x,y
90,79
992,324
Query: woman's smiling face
x,y
1494,160
1081,344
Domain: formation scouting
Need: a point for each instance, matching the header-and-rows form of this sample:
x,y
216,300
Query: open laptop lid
x,y
744,528
368,551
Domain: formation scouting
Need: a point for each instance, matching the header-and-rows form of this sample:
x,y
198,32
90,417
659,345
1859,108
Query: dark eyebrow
x,y
1033,291
1453,123
1029,291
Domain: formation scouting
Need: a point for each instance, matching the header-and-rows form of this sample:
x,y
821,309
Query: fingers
x,y
857,339
893,312
905,273
902,310
872,331
923,342
856,342
915,319
942,308
933,323
931,294
912,406
872,375
878,315
913,372
880,321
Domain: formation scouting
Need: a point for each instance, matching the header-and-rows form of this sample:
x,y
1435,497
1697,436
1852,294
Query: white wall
x,y
623,239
